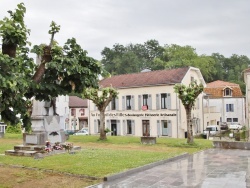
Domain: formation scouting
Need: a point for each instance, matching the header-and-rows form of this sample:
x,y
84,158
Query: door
x,y
164,128
145,128
113,128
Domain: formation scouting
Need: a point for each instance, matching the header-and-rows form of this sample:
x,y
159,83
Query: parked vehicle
x,y
224,126
82,132
69,132
235,126
212,130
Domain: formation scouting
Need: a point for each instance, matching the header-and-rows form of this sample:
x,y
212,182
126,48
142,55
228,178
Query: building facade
x,y
78,116
147,104
227,99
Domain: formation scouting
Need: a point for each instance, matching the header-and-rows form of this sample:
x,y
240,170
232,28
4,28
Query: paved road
x,y
214,168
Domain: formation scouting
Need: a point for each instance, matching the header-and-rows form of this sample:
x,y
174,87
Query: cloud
x,y
209,26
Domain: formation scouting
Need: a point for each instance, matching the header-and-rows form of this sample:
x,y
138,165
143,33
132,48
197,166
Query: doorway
x,y
113,128
145,128
164,128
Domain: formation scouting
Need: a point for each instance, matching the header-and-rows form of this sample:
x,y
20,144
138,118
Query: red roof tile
x,y
159,77
77,102
216,89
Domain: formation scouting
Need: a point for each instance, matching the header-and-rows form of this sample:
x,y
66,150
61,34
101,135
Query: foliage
x,y
67,70
188,95
153,56
101,98
17,129
13,29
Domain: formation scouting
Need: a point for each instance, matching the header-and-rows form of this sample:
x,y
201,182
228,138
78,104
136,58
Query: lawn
x,y
101,158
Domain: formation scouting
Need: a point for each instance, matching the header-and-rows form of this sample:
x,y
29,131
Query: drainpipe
x,y
177,115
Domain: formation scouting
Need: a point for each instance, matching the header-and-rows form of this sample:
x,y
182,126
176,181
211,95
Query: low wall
x,y
231,145
148,140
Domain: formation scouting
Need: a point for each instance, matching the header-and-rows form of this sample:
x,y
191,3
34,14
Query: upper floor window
x,y
113,104
82,112
192,79
163,101
227,92
145,100
229,107
73,112
128,102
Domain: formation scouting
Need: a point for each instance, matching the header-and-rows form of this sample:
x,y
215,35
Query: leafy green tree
x,y
188,95
138,56
62,70
101,98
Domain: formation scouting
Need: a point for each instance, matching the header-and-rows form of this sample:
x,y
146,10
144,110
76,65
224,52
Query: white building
x,y
147,104
226,99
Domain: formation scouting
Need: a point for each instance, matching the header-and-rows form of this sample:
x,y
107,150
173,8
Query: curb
x,y
143,168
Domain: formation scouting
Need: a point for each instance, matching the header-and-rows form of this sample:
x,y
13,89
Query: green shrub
x,y
16,129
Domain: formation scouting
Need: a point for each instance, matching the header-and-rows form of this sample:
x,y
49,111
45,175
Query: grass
x,y
101,158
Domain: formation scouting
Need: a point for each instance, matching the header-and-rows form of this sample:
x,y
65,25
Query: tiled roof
x,y
215,89
159,77
77,102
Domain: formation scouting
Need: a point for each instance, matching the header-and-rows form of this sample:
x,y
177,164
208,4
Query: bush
x,y
16,129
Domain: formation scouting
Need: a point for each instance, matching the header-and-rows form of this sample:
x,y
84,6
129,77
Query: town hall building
x,y
147,104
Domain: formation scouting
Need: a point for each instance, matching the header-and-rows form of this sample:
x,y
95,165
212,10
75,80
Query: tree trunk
x,y
9,49
102,125
190,137
41,69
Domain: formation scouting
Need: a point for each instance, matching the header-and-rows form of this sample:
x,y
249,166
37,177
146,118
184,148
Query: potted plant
x,y
13,31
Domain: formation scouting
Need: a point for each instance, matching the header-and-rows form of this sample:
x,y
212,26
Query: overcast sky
x,y
209,26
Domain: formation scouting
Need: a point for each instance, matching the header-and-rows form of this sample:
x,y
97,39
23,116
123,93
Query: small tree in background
x,y
101,98
187,95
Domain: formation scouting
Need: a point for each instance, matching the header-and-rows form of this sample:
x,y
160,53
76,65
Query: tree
x,y
62,70
101,98
187,95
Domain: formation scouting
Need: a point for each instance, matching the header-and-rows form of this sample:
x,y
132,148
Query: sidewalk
x,y
213,168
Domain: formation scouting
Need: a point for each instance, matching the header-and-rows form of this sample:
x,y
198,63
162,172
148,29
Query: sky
x,y
209,26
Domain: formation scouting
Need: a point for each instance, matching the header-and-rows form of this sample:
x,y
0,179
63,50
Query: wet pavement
x,y
213,168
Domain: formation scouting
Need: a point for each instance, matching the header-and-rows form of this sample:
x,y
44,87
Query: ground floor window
x,y
129,127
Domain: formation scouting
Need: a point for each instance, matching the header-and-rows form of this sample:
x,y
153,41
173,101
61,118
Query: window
x,y
192,79
227,92
128,102
229,107
145,100
82,112
73,112
163,101
229,119
113,105
235,119
129,127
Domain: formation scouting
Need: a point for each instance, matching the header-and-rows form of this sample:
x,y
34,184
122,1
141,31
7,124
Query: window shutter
x,y
158,128
149,102
123,103
168,101
109,106
232,107
169,128
132,102
124,127
107,125
118,127
227,107
157,102
117,103
95,126
133,127
139,102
